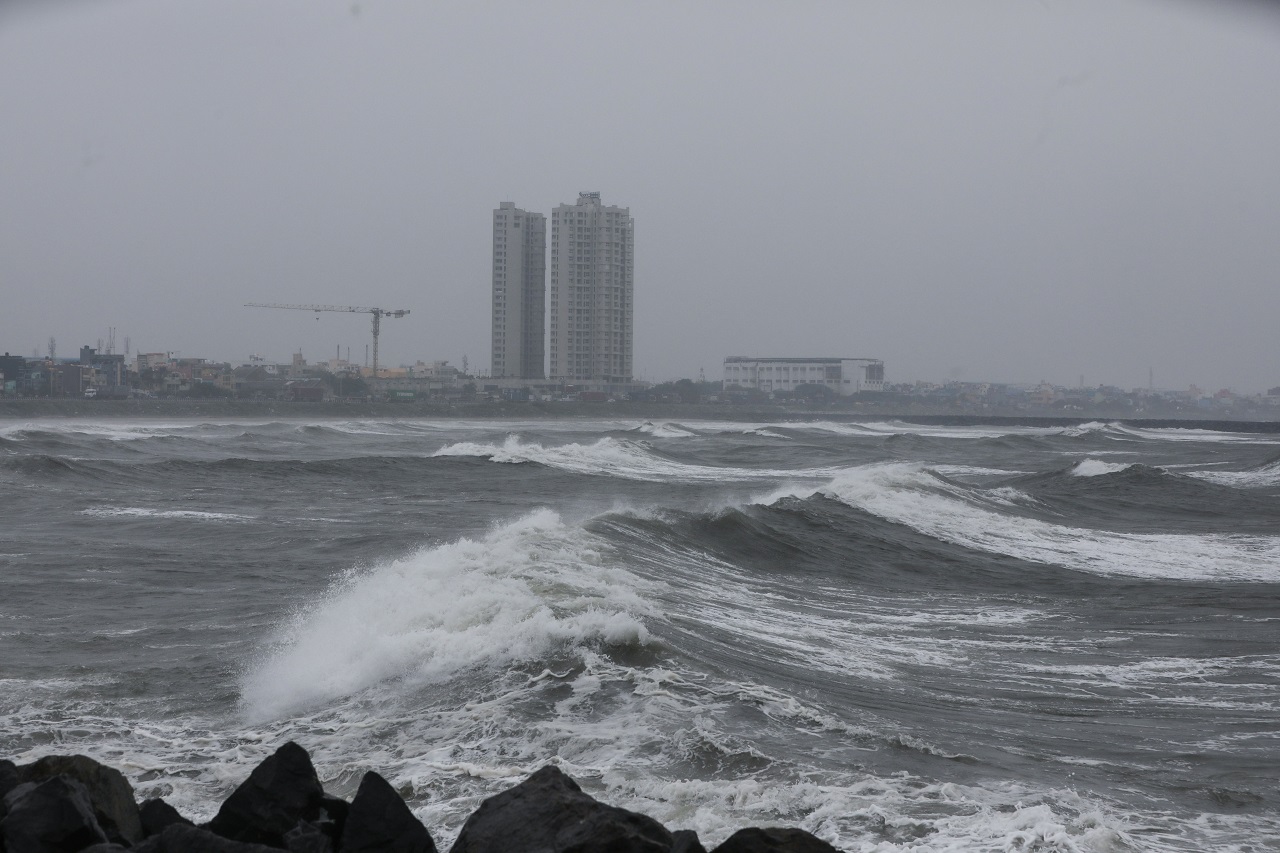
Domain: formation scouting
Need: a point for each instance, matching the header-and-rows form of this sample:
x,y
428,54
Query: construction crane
x,y
378,314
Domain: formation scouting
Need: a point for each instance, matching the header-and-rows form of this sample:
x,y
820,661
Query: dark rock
x,y
774,840
110,793
336,810
9,780
686,841
549,813
380,820
54,816
308,837
280,791
156,815
184,838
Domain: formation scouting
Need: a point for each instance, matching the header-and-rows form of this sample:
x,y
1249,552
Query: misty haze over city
x,y
983,191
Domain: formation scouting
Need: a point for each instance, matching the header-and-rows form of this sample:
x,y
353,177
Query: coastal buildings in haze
x,y
519,293
844,376
591,310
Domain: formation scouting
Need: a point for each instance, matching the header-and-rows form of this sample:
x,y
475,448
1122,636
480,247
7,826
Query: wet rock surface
x,y
68,804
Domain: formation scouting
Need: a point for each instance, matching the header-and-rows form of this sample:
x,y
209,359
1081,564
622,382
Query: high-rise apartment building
x,y
591,292
519,293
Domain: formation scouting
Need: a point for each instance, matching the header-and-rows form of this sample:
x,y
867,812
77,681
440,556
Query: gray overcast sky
x,y
1005,191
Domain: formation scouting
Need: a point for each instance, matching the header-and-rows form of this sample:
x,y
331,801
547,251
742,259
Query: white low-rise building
x,y
844,376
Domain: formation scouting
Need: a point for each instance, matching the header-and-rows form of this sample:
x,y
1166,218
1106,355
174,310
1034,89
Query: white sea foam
x,y
524,589
614,457
1087,429
617,743
115,430
870,813
1267,475
961,432
1098,468
1175,670
765,433
144,512
909,494
1197,435
665,430
829,426
973,471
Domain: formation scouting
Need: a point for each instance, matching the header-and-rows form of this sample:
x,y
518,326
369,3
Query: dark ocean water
x,y
898,637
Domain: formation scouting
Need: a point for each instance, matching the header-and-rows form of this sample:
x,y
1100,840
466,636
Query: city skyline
x,y
997,192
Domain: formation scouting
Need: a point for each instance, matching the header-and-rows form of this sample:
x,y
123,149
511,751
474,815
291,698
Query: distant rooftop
x,y
816,360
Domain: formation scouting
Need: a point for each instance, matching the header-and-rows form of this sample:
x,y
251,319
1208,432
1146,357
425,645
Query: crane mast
x,y
378,314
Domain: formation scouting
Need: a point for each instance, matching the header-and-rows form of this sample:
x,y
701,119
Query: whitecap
x,y
143,512
909,494
1098,468
616,457
525,588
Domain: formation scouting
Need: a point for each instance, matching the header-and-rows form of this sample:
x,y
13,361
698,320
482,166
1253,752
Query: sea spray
x,y
509,596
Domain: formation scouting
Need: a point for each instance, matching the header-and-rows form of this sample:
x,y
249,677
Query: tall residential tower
x,y
519,293
591,292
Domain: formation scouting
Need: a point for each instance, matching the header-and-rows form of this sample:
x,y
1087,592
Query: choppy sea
x,y
899,637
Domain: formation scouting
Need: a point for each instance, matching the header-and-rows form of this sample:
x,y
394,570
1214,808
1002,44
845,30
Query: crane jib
x,y
347,309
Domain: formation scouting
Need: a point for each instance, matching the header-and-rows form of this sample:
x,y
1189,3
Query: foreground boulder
x,y
185,838
281,791
54,816
308,837
108,790
8,781
686,841
379,820
549,813
774,840
156,815
75,805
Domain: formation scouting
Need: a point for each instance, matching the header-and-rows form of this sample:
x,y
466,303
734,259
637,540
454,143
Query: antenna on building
x,y
464,364
126,346
111,340
53,347
702,374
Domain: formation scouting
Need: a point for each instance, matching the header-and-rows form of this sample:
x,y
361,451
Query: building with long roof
x,y
844,376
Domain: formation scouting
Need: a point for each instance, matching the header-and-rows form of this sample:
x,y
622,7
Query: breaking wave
x,y
912,495
527,587
619,458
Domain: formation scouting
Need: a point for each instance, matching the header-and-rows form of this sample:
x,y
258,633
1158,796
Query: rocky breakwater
x,y
62,804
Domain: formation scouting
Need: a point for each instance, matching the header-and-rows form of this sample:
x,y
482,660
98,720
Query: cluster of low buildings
x,y
1048,399
92,372
827,382
95,375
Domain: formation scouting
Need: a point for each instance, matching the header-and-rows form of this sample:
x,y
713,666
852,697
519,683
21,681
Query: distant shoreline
x,y
25,409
